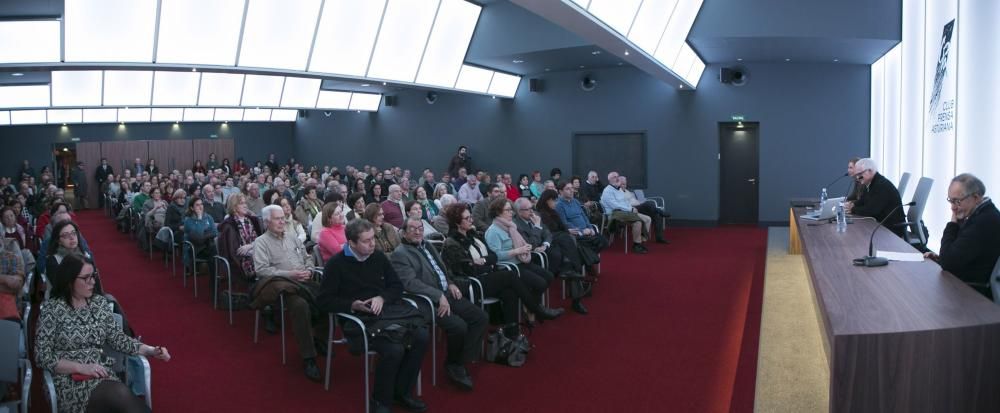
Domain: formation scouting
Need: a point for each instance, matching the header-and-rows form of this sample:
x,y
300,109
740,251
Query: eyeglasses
x,y
415,229
956,201
68,235
508,209
467,217
88,277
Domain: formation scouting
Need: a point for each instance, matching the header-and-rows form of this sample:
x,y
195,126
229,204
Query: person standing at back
x,y
460,160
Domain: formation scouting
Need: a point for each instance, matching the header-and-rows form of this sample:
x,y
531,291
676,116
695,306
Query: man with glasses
x,y
422,271
878,197
481,212
970,245
853,189
393,206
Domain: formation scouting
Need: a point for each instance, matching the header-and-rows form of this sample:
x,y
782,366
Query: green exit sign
x,y
737,118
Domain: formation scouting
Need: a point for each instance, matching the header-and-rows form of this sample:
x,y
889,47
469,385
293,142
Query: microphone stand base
x,y
868,261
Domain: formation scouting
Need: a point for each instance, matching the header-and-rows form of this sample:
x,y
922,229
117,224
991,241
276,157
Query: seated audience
x,y
970,245
439,222
878,197
15,233
254,201
331,238
469,192
416,211
357,203
481,212
174,217
647,208
386,236
73,329
375,193
619,209
317,223
537,186
282,267
236,236
503,238
309,206
200,230
430,208
465,254
12,277
291,226
361,280
559,247
393,207
68,241
422,272
574,217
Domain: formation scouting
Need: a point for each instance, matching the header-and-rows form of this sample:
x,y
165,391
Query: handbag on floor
x,y
510,351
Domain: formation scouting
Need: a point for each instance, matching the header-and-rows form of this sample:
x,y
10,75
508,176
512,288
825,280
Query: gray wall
x,y
253,141
812,119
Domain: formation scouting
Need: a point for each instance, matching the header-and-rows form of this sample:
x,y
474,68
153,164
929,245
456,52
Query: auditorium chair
x,y
14,364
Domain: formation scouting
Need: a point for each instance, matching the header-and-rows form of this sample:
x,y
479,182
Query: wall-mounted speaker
x,y
391,100
431,98
536,85
588,83
303,113
736,76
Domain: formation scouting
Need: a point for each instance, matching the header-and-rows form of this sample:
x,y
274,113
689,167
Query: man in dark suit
x,y
101,176
878,199
970,245
563,258
422,271
853,188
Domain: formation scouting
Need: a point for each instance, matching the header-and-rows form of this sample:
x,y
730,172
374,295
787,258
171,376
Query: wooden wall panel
x,y
115,151
222,148
172,154
137,149
90,154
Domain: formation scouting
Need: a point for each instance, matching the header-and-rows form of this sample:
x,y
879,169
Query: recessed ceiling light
x,y
548,70
836,60
620,63
383,83
739,59
682,86
365,84
494,96
17,74
517,61
626,53
194,69
595,52
788,60
581,66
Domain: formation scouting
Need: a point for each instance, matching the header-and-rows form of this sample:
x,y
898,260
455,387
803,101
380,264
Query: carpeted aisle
x,y
675,330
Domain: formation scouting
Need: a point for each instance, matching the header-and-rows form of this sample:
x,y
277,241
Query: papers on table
x,y
900,256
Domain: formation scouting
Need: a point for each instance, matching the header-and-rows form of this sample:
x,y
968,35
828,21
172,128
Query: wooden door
x,y
90,154
172,154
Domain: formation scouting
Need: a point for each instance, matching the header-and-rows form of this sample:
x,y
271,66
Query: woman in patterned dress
x,y
72,328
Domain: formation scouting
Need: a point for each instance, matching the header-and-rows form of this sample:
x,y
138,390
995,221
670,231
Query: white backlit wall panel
x,y
257,114
4,117
35,41
978,143
878,111
617,14
400,44
300,92
175,88
228,114
134,115
453,27
346,36
504,84
890,121
109,30
24,96
279,34
474,79
911,143
650,23
329,99
677,31
128,88
167,115
693,75
77,88
199,32
27,117
100,115
365,101
220,89
284,115
261,90
199,114
56,116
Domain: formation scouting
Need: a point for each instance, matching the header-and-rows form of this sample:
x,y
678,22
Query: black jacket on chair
x,y
533,235
878,200
970,248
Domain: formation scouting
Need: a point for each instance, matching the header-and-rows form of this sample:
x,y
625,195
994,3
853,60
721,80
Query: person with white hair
x,y
282,266
394,207
439,222
878,197
970,245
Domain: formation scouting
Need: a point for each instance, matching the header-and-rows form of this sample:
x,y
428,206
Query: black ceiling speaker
x,y
431,97
536,85
736,76
588,83
391,100
303,113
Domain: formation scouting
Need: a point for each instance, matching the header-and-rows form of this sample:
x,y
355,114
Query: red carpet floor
x,y
672,331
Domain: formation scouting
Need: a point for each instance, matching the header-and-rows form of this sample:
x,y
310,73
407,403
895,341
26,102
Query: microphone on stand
x,y
871,260
836,180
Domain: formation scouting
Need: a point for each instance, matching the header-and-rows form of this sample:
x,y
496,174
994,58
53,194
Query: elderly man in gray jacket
x,y
422,271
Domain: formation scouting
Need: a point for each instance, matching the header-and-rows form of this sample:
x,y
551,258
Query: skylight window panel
x,y
34,41
401,41
65,116
134,114
650,23
127,88
474,79
100,115
257,114
346,36
262,91
582,3
77,88
284,115
228,114
694,74
677,31
617,14
504,85
4,117
175,88
220,89
278,35
199,114
27,117
24,96
109,30
453,27
684,60
167,115
300,92
365,101
199,32
329,99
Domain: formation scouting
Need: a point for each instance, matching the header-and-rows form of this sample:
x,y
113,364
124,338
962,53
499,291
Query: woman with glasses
x,y
510,247
386,235
467,255
66,240
199,229
236,235
73,328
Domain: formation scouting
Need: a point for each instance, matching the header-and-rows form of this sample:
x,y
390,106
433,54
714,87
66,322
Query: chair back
x,y
640,195
10,336
916,212
995,282
903,180
317,258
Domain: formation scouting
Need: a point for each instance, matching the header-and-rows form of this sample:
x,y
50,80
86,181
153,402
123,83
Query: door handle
x,y
752,180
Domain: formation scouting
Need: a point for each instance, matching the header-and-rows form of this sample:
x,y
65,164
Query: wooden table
x,y
907,337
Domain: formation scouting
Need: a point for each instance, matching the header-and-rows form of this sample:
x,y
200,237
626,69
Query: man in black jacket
x,y
878,198
970,245
101,176
360,280
423,272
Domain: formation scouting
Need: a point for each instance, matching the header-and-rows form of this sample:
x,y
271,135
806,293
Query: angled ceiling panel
x,y
453,28
400,44
199,32
34,41
109,30
346,36
278,34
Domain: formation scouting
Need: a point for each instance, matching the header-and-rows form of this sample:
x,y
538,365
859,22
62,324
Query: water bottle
x,y
822,197
841,218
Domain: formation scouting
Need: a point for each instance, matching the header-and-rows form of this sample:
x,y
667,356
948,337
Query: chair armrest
x,y
659,201
25,384
355,320
146,372
49,388
317,274
543,257
410,297
473,281
510,267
